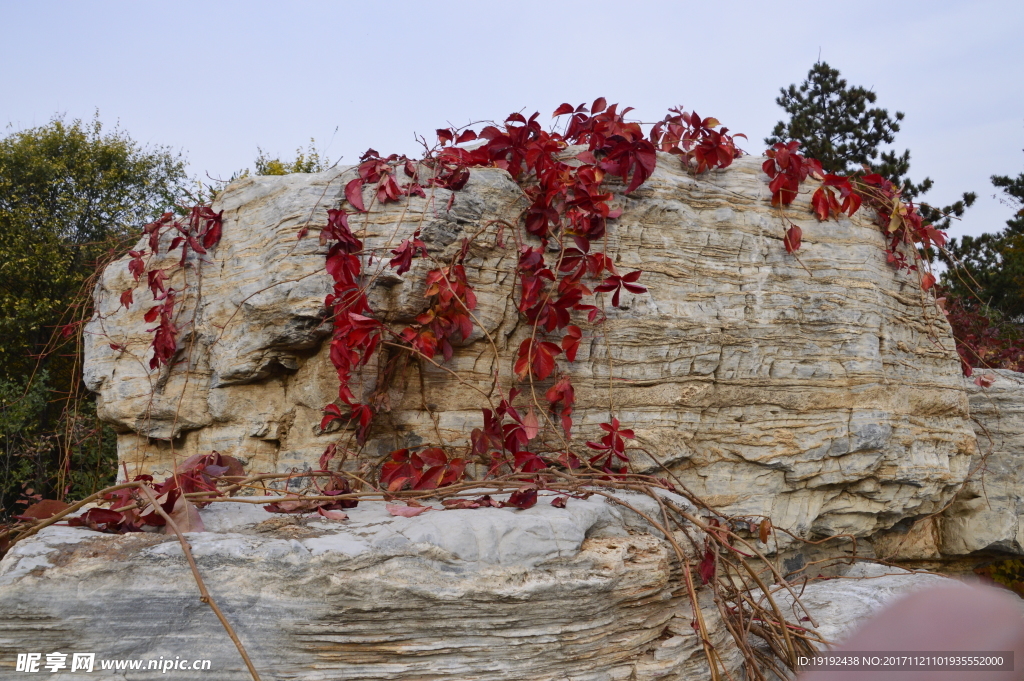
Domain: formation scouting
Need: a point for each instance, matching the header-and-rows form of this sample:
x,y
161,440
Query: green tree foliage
x,y
70,194
990,267
308,161
840,126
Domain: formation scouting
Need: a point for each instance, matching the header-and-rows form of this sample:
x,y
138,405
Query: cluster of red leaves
x,y
198,232
825,203
336,486
695,140
568,205
131,511
164,333
427,469
787,169
506,431
523,498
381,174
980,340
900,221
611,456
447,317
355,336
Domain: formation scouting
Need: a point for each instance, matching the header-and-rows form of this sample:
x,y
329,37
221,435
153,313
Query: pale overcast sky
x,y
217,79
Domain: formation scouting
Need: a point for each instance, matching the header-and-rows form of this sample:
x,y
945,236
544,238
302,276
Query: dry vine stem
x,y
19,532
204,595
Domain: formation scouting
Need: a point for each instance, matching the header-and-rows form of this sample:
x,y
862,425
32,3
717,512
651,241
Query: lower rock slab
x,y
584,593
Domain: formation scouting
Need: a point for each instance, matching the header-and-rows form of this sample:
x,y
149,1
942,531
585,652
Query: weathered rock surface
x,y
823,392
840,605
585,592
989,514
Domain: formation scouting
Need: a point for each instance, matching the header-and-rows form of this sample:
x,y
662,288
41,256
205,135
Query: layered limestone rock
x,y
984,521
584,592
989,514
822,391
588,592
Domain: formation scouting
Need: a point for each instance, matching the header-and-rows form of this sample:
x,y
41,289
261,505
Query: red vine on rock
x,y
568,214
982,341
900,221
198,232
562,270
130,511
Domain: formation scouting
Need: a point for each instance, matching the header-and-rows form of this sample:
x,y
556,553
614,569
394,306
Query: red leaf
x,y
100,519
186,516
763,529
213,232
354,194
528,462
559,502
569,460
531,425
331,413
599,105
820,203
562,110
328,454
459,503
536,358
43,509
571,342
562,393
407,511
792,239
332,515
706,569
985,380
480,502
616,283
927,280
136,266
523,498
127,298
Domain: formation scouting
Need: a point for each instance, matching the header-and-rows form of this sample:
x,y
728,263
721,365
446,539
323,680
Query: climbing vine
x,y
566,279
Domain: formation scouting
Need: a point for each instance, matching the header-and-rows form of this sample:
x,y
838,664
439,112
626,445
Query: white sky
x,y
218,79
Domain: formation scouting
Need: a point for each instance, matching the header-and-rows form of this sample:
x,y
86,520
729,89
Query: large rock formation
x,y
822,391
588,592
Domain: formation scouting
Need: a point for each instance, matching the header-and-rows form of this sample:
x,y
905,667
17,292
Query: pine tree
x,y
990,267
840,126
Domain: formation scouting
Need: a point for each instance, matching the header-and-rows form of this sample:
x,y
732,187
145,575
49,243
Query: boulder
x,y
988,516
584,592
588,592
821,389
842,603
